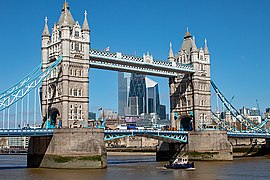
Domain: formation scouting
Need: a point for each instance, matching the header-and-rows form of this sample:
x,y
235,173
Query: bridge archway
x,y
186,122
52,120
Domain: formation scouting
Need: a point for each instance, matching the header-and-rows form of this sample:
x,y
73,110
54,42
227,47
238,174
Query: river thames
x,y
139,167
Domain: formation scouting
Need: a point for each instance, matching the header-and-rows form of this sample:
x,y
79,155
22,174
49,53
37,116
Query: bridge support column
x,y
202,145
209,145
68,148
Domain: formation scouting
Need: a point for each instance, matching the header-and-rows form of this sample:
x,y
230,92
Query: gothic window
x,y
73,72
77,46
78,72
81,73
70,92
79,92
70,72
75,113
76,34
71,112
201,57
201,117
188,103
201,67
80,112
74,92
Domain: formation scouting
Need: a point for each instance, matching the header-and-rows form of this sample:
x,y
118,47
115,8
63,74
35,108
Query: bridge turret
x,y
86,36
206,51
45,41
171,57
194,51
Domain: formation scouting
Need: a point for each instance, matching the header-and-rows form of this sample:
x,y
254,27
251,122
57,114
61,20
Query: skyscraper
x,y
137,94
123,92
152,93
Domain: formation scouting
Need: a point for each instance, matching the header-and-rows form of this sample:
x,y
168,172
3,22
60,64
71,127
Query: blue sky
x,y
237,33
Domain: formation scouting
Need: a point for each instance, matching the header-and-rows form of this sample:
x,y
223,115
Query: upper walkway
x,y
142,65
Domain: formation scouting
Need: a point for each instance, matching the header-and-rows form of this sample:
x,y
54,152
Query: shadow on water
x,y
129,161
12,167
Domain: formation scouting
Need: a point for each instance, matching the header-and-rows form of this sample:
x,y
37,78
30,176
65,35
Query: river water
x,y
135,167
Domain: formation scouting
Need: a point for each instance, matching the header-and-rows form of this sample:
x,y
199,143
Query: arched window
x,y
80,112
74,92
77,34
70,72
75,113
77,46
78,72
71,112
70,92
81,73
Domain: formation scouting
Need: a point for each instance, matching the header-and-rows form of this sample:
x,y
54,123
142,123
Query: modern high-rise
x,y
137,94
123,92
152,96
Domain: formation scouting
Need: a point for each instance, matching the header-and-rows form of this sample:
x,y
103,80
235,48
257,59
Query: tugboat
x,y
180,163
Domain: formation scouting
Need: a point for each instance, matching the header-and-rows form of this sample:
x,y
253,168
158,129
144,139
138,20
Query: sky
x,y
238,35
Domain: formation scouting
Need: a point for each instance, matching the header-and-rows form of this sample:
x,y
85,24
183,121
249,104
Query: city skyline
x,y
237,38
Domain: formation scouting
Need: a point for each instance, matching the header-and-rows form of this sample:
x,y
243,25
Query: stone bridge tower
x,y
65,92
190,94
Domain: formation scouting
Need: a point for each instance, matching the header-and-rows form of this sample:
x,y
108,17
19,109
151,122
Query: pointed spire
x,y
85,25
206,50
65,6
193,45
66,15
171,55
187,35
46,29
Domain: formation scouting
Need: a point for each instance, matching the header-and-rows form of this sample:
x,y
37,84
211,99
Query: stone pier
x,y
209,145
77,148
202,145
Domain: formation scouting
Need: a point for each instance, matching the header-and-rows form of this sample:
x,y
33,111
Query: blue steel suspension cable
x,y
248,124
31,83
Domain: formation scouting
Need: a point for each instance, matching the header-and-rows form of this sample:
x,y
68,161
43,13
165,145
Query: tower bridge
x,y
188,72
67,59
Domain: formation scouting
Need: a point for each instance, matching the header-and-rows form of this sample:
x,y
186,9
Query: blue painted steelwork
x,y
222,124
248,135
25,132
26,85
168,136
234,112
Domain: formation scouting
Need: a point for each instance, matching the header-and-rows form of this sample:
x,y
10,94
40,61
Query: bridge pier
x,y
201,145
209,145
77,148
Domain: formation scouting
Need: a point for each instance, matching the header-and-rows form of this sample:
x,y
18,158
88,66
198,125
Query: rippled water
x,y
139,168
